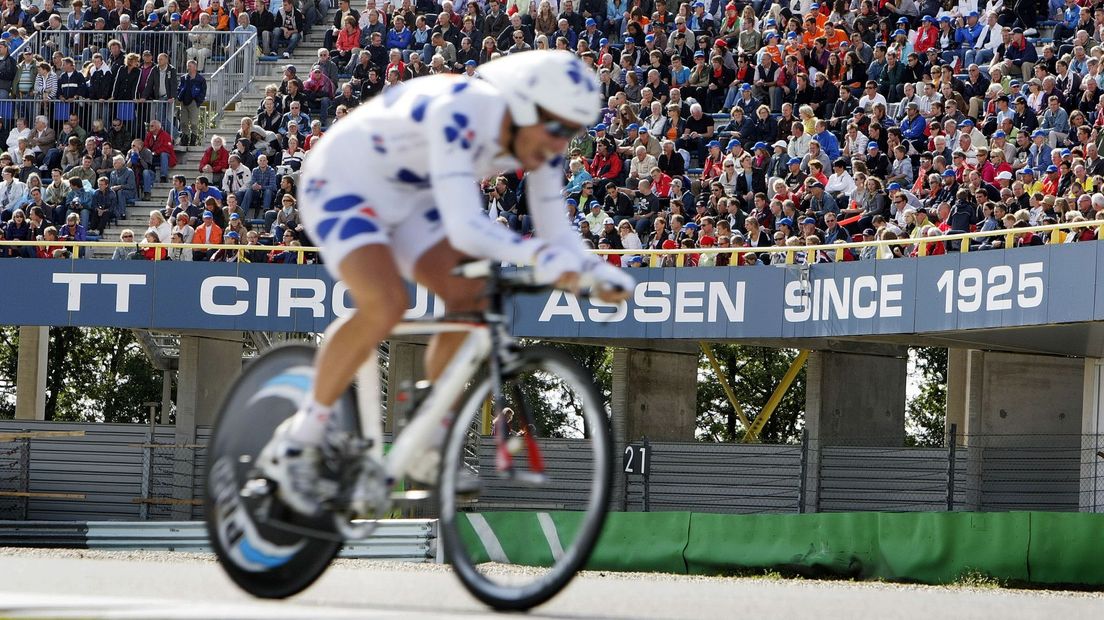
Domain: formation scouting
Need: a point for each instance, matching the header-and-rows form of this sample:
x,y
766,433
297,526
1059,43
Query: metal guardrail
x,y
210,49
234,76
413,540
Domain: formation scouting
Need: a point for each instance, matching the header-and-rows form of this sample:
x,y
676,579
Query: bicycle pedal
x,y
257,487
528,478
414,495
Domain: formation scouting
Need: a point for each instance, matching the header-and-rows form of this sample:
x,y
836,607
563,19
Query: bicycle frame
x,y
434,411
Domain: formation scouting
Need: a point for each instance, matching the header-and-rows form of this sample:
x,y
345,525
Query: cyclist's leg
x,y
380,296
433,270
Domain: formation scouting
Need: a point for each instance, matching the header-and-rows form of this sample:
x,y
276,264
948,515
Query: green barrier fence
x,y
1026,547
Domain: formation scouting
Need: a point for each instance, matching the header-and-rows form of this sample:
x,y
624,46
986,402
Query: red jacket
x,y
219,162
162,143
608,167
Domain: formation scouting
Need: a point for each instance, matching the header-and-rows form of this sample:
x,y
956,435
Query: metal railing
x,y
656,256
133,114
209,49
412,540
227,84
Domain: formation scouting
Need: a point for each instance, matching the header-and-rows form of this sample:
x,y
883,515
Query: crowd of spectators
x,y
727,124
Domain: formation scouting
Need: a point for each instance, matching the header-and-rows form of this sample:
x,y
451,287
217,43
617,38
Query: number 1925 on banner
x,y
1000,287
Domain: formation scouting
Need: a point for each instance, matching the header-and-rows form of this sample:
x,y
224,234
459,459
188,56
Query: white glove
x,y
553,261
606,277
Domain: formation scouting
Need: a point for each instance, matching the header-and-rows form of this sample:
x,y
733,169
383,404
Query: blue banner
x,y
1025,286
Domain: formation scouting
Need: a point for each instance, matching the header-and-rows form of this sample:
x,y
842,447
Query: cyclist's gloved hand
x,y
608,283
558,265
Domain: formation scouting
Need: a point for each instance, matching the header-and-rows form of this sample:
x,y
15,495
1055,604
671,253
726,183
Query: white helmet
x,y
554,80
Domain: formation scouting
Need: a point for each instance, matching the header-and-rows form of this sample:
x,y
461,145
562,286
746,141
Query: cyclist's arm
x,y
455,191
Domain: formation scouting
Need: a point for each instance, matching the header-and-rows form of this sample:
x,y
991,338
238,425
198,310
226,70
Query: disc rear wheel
x,y
260,543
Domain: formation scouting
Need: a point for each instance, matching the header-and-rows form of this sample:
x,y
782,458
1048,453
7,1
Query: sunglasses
x,y
560,129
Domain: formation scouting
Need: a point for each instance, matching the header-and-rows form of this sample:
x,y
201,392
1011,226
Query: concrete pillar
x,y
1092,447
956,392
843,407
30,381
658,393
653,394
406,364
210,362
166,395
1021,407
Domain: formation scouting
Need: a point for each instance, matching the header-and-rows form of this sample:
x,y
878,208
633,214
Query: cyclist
x,y
392,192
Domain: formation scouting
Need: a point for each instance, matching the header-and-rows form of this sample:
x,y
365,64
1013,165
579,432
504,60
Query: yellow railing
x,y
655,256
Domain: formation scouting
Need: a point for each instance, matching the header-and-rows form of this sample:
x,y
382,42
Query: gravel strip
x,y
504,569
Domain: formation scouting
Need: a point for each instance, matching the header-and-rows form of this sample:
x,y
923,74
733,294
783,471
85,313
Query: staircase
x,y
270,70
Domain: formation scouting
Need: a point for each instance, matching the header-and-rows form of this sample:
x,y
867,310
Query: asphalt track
x,y
62,584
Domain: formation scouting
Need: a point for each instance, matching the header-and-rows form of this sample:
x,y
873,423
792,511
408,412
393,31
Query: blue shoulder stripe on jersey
x,y
342,203
410,177
418,110
433,215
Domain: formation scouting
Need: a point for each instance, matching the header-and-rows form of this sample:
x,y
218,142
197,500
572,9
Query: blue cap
x,y
967,123
870,146
791,35
699,54
1066,152
945,18
893,186
633,127
713,143
1052,168
900,33
902,20
208,214
809,220
175,17
603,42
793,160
786,222
1027,171
595,203
691,226
590,22
600,127
771,22
572,201
880,44
948,173
1039,133
235,216
470,63
745,87
1000,134
760,145
929,18
1015,83
649,37
972,14
733,144
152,17
770,34
697,4
233,235
814,6
629,40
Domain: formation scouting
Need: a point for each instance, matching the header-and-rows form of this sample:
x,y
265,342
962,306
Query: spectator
x,y
102,206
202,41
73,230
160,143
206,233
289,28
123,183
192,93
215,160
265,23
122,252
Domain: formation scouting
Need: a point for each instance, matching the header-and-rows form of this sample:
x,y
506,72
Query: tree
x,y
925,415
93,375
753,373
555,411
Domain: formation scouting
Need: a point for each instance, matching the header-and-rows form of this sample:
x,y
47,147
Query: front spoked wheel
x,y
547,509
